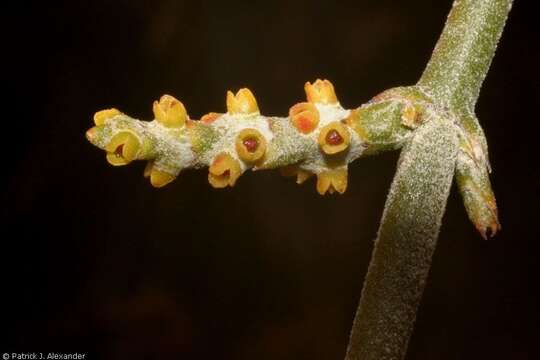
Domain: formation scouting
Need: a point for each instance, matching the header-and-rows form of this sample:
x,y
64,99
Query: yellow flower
x,y
332,180
169,111
157,177
123,148
334,138
242,103
304,117
224,171
321,91
250,145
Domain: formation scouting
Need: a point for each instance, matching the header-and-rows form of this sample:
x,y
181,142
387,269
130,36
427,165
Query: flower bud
x,y
321,91
160,178
332,180
242,103
304,117
169,111
334,138
224,171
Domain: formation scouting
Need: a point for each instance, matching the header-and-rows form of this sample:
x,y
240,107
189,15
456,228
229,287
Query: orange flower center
x,y
251,144
334,138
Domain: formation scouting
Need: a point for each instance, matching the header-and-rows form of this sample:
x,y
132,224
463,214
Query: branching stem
x,y
412,217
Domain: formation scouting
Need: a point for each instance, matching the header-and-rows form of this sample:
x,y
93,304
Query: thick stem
x,y
405,244
411,221
464,52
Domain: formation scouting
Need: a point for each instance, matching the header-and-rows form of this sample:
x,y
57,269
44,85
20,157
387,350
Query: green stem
x,y
464,52
405,244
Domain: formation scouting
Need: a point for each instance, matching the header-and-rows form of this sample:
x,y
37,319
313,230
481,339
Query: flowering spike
x,y
101,116
224,171
122,149
319,137
250,145
321,91
304,116
242,103
332,180
334,138
169,111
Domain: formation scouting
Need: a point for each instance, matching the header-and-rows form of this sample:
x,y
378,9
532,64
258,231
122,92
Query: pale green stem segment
x,y
464,52
405,244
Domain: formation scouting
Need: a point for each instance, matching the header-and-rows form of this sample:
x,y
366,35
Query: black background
x,y
95,260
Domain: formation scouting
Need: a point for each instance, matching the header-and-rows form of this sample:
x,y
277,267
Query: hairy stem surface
x,y
411,221
462,56
405,244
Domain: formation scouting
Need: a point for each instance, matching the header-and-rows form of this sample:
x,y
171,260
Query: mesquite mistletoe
x,y
319,137
434,123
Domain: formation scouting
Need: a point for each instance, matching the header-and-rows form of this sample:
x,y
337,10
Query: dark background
x,y
95,260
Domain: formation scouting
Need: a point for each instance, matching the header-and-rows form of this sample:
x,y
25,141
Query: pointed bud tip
x,y
321,91
489,231
243,102
332,181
